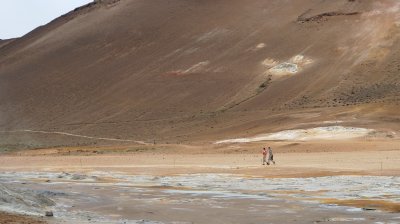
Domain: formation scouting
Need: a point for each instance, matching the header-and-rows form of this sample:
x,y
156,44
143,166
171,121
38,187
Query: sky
x,y
18,17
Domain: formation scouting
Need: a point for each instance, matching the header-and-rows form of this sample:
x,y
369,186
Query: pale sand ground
x,y
294,159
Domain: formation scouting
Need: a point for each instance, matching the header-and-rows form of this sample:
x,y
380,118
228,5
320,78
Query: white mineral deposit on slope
x,y
319,133
197,67
260,46
285,68
215,33
292,66
269,62
301,60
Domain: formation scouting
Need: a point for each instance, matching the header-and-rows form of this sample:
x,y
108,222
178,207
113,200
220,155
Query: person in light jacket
x,y
264,153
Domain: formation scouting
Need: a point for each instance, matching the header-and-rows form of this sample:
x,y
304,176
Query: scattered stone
x,y
49,214
368,209
78,177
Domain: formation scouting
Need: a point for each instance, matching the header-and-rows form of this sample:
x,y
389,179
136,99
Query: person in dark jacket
x,y
270,156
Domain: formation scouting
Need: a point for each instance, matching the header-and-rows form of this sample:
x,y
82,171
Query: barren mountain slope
x,y
5,42
172,70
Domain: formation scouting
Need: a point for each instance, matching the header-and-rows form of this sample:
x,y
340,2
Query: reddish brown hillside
x,y
176,71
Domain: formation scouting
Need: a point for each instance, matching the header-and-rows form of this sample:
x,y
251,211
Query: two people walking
x,y
268,154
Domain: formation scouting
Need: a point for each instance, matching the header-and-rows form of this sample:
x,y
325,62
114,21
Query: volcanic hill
x,y
200,70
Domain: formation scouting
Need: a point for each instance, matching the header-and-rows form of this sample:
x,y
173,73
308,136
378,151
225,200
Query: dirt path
x,y
76,135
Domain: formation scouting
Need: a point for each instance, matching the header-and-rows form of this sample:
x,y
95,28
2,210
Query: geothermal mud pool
x,y
116,197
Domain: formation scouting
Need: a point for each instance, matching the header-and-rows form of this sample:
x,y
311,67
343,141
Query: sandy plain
x,y
299,164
